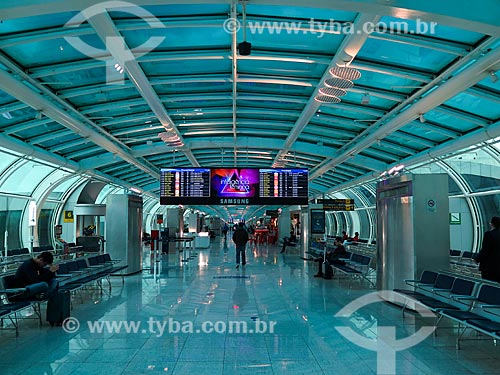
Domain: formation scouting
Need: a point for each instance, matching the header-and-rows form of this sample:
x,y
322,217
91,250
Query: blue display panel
x,y
184,185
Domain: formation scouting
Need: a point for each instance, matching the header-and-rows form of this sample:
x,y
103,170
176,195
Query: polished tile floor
x,y
183,315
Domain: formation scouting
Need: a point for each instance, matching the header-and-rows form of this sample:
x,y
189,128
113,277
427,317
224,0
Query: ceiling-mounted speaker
x,y
245,48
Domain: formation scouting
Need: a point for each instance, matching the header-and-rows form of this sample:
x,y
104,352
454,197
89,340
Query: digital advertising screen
x,y
317,222
235,185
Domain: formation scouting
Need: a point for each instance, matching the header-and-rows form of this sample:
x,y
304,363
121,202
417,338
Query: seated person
x,y
356,237
289,241
331,256
33,275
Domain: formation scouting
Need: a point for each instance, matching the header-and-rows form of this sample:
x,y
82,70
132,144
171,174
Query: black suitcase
x,y
58,307
328,272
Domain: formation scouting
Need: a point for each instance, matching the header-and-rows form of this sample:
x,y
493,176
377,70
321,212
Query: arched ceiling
x,y
420,95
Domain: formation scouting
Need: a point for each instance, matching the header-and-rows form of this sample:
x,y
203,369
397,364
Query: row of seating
x,y
357,266
473,304
25,250
72,276
458,256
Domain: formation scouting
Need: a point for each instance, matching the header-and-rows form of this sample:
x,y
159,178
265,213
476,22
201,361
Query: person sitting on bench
x,y
289,241
331,256
33,275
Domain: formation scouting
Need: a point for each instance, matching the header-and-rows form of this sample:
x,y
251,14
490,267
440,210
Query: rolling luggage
x,y
58,307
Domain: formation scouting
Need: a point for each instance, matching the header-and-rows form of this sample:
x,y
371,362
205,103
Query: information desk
x,y
202,240
181,241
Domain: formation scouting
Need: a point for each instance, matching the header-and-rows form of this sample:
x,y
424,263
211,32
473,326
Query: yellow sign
x,y
68,217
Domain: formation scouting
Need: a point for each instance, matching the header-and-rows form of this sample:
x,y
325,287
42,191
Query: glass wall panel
x,y
434,168
331,224
367,193
43,225
364,221
25,178
105,191
482,183
62,188
6,160
341,223
11,210
490,206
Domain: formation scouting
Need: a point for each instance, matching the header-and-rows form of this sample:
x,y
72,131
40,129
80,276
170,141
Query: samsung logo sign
x,y
234,201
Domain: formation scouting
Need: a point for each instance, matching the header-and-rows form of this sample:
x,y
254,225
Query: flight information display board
x,y
233,186
179,184
282,183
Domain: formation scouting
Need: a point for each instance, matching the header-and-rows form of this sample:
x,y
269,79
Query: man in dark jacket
x,y
35,277
240,239
331,256
489,256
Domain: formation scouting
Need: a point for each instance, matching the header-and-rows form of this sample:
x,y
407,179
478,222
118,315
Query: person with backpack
x,y
331,257
240,239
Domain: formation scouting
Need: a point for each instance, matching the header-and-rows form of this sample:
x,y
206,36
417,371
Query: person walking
x,y
240,239
225,229
489,256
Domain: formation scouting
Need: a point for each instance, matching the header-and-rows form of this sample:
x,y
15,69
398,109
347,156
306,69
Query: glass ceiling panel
x,y
269,116
424,132
173,10
79,78
40,130
4,99
279,67
188,38
294,42
193,87
375,101
448,121
477,106
49,51
386,81
272,102
346,112
405,55
406,142
301,12
15,117
11,26
273,88
379,156
197,102
106,98
489,84
440,31
187,67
